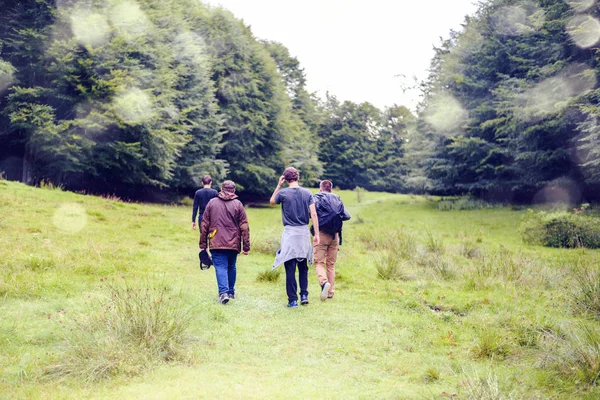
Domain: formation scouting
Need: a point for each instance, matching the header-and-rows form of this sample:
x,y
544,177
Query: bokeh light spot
x,y
581,5
90,29
133,106
584,30
446,114
70,218
129,19
520,19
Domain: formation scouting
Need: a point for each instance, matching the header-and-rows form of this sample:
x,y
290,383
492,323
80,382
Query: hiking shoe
x,y
325,290
304,299
223,298
231,296
293,304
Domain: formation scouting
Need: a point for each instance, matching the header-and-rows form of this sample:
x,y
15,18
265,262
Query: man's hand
x,y
201,249
316,240
281,181
245,252
193,225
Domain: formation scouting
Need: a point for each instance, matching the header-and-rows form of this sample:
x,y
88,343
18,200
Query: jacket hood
x,y
227,196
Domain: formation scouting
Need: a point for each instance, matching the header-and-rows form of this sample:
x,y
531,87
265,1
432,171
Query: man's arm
x,y
277,189
315,221
245,229
204,226
195,210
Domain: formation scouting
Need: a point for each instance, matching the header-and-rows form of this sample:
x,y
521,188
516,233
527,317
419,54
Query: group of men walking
x,y
224,229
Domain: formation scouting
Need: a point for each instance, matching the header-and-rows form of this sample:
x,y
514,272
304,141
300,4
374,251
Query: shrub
x,y
133,329
561,229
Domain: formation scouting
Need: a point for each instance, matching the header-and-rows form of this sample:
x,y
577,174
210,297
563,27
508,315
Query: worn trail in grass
x,y
473,302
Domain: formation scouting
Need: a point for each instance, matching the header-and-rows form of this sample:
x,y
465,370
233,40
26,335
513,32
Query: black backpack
x,y
330,211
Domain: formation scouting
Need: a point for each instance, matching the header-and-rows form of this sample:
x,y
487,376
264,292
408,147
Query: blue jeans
x,y
224,263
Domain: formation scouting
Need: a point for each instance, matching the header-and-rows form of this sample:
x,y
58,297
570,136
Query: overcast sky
x,y
356,49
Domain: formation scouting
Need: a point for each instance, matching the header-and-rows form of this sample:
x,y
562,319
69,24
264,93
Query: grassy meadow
x,y
104,299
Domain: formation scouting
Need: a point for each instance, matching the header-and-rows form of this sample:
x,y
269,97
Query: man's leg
x,y
303,276
220,263
291,286
231,271
332,252
320,257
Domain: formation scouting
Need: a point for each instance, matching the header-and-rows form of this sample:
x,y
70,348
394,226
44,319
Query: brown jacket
x,y
227,215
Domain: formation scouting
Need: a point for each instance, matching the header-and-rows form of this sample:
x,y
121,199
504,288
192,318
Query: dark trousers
x,y
290,278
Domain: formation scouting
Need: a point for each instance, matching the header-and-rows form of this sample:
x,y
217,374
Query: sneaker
x,y
223,298
293,304
325,290
330,296
231,296
304,299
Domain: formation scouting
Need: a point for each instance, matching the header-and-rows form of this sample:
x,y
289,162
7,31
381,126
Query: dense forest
x,y
123,96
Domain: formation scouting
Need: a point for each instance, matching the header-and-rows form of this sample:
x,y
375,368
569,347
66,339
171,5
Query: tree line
x,y
122,95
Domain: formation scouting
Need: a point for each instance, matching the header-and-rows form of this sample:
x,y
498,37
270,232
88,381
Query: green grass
x,y
467,308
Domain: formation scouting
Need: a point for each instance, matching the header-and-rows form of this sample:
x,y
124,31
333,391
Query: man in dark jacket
x,y
226,225
201,199
331,213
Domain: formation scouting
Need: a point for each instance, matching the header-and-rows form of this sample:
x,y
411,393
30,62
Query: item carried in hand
x,y
205,260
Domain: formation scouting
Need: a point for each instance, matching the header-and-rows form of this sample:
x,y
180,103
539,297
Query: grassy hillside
x,y
104,299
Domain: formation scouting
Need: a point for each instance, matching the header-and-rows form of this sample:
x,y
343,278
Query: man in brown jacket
x,y
225,222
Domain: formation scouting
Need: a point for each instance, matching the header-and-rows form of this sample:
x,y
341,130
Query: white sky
x,y
355,49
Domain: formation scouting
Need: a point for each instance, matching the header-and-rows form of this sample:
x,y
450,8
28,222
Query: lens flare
x,y
133,106
89,28
584,30
581,5
70,218
446,114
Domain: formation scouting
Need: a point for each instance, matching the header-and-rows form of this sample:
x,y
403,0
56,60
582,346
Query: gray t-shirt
x,y
294,205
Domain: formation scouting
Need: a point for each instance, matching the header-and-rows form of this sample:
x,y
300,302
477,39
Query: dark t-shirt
x,y
201,199
294,205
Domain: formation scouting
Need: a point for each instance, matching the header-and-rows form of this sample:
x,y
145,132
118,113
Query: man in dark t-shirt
x,y
201,199
297,208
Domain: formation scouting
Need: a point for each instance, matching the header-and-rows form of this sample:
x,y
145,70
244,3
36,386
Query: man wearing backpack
x,y
331,214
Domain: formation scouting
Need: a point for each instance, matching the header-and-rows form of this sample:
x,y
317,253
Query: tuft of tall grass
x,y
484,388
576,355
440,265
501,265
491,344
463,203
390,266
133,329
265,243
269,275
586,291
434,244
